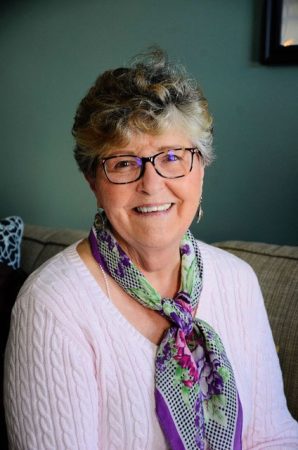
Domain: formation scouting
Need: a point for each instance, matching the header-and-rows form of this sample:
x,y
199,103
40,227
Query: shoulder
x,y
59,280
231,300
55,269
217,256
61,294
218,263
230,289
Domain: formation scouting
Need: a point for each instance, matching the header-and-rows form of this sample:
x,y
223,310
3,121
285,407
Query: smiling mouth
x,y
153,209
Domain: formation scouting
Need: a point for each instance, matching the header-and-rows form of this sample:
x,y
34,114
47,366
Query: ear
x,y
202,168
91,181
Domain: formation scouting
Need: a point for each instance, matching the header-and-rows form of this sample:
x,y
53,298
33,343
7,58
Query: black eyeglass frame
x,y
145,159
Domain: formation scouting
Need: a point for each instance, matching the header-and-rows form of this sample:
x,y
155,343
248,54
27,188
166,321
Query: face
x,y
126,205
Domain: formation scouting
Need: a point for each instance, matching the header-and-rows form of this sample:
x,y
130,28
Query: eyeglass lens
x,y
173,163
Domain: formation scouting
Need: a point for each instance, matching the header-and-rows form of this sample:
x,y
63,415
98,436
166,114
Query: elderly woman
x,y
141,337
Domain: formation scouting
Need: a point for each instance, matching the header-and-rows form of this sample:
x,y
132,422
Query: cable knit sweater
x,y
78,375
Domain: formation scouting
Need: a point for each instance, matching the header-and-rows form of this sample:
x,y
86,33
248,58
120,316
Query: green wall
x,y
51,51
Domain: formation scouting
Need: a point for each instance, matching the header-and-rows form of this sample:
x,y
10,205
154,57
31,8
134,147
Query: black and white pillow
x,y
11,232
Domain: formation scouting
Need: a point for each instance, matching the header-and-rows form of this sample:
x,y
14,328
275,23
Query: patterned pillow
x,y
11,232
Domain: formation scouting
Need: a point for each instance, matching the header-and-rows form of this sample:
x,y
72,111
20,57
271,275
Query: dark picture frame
x,y
274,50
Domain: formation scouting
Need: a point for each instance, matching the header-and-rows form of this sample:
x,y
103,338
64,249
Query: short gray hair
x,y
150,96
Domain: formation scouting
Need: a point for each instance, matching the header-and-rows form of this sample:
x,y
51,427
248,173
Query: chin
x,y
160,240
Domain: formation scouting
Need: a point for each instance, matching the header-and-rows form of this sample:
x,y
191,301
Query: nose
x,y
151,181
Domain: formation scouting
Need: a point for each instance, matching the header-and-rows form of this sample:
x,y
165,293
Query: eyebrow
x,y
131,153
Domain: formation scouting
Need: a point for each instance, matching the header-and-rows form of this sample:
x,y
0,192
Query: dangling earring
x,y
200,211
100,219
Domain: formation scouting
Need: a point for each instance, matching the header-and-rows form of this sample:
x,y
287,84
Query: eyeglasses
x,y
172,163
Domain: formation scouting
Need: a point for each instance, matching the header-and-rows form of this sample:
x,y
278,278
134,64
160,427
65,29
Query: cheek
x,y
193,194
194,187
198,179
111,198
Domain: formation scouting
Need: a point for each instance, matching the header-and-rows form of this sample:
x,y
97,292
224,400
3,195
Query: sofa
x,y
276,267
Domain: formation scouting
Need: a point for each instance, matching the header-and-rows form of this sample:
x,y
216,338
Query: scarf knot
x,y
179,311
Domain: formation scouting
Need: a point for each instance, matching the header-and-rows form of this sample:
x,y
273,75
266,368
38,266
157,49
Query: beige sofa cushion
x,y
41,243
277,269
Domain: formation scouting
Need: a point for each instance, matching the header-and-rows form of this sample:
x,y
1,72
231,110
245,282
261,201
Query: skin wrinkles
x,y
152,239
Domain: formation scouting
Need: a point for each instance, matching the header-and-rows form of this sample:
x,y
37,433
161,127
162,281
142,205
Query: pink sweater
x,y
80,376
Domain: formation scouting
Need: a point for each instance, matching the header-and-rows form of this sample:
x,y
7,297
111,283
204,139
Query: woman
x,y
141,337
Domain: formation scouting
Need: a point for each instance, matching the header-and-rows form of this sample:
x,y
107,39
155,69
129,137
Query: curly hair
x,y
151,96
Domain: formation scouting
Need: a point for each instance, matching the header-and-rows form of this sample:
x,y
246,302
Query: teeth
x,y
147,209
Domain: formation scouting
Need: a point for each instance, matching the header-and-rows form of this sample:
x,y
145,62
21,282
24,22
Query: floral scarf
x,y
197,402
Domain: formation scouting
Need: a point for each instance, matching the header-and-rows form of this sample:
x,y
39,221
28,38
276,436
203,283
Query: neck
x,y
161,267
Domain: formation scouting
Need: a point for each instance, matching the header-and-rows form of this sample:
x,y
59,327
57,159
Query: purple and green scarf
x,y
197,402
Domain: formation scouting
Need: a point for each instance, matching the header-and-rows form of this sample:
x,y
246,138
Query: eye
x,y
172,156
123,164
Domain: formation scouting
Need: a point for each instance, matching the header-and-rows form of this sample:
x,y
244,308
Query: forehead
x,y
146,144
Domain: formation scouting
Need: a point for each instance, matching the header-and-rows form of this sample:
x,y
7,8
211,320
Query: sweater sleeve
x,y
271,427
51,397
